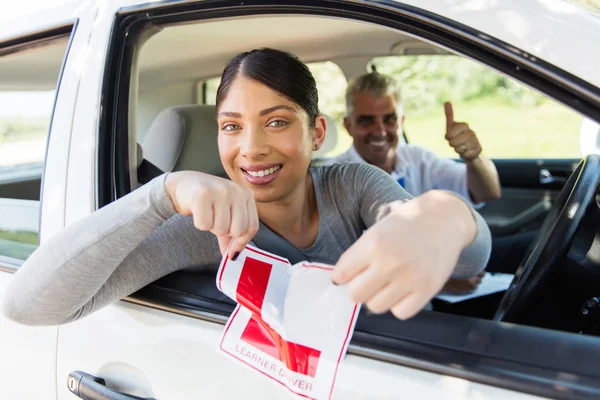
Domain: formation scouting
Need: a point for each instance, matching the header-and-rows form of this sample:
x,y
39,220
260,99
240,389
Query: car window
x,y
511,120
27,91
331,84
492,88
208,90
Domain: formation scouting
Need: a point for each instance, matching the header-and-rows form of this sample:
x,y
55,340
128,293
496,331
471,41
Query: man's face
x,y
374,127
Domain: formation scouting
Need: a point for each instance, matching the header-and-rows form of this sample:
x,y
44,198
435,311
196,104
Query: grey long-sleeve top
x,y
140,238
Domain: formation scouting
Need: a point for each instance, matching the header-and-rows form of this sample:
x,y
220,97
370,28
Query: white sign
x,y
292,324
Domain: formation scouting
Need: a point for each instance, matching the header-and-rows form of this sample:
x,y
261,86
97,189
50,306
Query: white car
x,y
97,91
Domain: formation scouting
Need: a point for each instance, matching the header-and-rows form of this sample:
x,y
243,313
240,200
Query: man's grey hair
x,y
377,85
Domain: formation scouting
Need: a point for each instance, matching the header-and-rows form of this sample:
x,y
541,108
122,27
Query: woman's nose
x,y
254,143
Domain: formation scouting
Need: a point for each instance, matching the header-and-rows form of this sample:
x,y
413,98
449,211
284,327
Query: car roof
x,y
552,30
202,50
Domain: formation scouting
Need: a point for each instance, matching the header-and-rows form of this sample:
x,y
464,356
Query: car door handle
x,y
90,387
546,177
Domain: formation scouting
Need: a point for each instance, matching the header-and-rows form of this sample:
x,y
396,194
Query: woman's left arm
x,y
411,247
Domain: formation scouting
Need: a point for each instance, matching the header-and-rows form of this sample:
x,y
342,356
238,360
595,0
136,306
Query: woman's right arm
x,y
119,249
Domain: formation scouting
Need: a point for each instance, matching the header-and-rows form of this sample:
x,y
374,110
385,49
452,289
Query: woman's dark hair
x,y
280,71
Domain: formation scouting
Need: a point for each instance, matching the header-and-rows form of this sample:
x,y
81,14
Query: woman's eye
x,y
277,123
231,127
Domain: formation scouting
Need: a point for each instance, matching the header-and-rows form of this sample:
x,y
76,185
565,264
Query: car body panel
x,y
27,357
153,353
156,353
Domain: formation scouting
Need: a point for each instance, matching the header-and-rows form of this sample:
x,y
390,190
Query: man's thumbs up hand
x,y
460,136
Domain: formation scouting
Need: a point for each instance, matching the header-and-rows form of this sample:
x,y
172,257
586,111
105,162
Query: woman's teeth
x,y
264,172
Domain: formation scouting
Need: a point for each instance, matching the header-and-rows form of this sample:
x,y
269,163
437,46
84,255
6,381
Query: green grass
x,y
20,128
18,244
20,236
504,131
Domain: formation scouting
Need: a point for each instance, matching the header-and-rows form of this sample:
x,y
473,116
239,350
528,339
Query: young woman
x,y
269,125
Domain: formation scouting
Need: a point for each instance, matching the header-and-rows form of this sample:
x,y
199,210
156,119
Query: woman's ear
x,y
320,131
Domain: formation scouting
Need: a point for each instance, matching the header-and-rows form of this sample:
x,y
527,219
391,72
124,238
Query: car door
x,y
36,98
162,341
529,188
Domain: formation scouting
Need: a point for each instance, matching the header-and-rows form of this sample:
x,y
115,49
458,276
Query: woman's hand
x,y
405,259
217,205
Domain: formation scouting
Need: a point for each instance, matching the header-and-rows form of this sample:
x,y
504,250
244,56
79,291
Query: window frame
x,y
27,42
530,360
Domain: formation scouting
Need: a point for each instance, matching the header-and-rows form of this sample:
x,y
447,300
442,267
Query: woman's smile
x,y
261,174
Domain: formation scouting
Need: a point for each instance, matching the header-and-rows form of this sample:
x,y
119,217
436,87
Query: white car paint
x,y
28,352
156,353
552,30
27,357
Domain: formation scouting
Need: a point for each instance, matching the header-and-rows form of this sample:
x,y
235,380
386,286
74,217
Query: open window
x,y
506,355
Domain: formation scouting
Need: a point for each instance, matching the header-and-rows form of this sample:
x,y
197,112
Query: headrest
x,y
184,138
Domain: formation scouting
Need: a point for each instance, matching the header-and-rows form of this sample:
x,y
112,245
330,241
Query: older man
x,y
374,120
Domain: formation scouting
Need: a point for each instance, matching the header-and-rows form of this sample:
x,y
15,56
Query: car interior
x,y
171,126
175,117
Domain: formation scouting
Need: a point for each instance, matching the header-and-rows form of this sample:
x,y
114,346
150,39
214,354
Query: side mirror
x,y
589,137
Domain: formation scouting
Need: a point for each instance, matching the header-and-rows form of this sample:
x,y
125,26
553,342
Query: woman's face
x,y
265,142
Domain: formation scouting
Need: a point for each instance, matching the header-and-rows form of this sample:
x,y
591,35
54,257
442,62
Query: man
x,y
374,119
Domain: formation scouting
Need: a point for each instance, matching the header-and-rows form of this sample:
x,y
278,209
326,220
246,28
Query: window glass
x,y
511,120
27,91
211,87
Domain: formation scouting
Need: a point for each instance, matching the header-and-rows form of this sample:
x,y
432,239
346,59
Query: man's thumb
x,y
449,114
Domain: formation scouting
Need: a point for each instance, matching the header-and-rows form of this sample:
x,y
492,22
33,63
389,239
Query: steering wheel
x,y
546,254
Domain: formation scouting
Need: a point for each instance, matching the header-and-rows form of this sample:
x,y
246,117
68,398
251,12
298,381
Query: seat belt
x,y
270,241
148,171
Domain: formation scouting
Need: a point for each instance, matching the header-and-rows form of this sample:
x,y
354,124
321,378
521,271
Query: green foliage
x,y
20,236
20,128
428,81
18,244
331,84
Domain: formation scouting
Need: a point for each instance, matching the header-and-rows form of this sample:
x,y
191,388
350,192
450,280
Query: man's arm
x,y
482,179
482,176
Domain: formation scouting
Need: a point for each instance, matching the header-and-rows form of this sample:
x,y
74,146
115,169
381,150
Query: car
x,y
97,92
